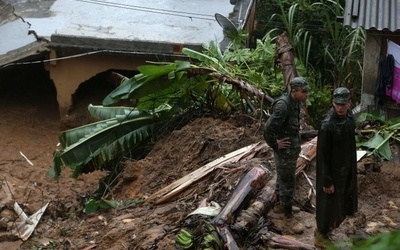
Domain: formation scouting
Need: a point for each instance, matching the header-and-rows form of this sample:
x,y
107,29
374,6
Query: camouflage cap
x,y
300,82
341,95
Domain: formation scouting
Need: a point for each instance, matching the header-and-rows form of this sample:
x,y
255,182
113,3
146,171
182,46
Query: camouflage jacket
x,y
284,122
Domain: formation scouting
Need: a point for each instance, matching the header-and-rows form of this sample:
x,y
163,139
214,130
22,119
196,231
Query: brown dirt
x,y
30,125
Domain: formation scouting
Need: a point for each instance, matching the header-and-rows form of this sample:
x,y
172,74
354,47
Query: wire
x,y
190,15
87,54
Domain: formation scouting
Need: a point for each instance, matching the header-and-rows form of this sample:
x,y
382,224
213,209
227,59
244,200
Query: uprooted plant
x,y
219,82
376,133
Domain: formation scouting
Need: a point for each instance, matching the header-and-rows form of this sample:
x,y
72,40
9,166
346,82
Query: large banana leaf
x,y
152,79
72,136
103,113
105,140
379,145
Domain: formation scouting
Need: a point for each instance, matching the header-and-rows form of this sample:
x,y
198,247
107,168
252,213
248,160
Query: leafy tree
x,y
158,93
336,55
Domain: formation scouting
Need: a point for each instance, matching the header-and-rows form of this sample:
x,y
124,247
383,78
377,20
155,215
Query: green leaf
x,y
104,141
107,204
104,113
199,56
121,92
74,135
151,72
91,206
382,241
371,116
80,153
55,171
152,80
379,145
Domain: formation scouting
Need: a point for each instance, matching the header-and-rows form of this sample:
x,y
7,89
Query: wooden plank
x,y
181,184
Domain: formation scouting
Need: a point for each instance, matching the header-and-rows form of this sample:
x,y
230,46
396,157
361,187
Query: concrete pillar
x,y
372,52
68,74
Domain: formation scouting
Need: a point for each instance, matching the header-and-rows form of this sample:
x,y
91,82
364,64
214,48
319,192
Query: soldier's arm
x,y
274,123
323,157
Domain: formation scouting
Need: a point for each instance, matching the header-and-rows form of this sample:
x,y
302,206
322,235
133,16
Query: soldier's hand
x,y
283,143
329,190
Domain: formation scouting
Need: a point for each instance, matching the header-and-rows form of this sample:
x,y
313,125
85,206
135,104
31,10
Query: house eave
x,y
25,53
69,45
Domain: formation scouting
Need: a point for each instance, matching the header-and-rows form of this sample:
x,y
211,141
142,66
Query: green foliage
x,y
184,239
254,66
162,90
158,91
383,241
337,51
378,133
342,48
94,205
320,102
102,141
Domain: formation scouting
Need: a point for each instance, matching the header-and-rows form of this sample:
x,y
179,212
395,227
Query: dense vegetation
x,y
238,79
336,55
221,82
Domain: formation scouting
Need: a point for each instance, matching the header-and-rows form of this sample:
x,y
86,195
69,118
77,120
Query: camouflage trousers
x,y
285,165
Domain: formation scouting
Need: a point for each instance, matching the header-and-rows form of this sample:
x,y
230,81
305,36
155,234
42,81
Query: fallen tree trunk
x,y
307,154
244,87
285,56
263,202
248,218
251,183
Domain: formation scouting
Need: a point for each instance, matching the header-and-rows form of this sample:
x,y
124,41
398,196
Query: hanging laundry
x,y
384,80
393,90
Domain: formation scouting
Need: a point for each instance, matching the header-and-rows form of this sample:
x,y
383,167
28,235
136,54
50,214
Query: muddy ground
x,y
30,125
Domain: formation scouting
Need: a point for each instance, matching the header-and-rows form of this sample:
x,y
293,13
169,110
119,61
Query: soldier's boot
x,y
278,209
321,240
291,224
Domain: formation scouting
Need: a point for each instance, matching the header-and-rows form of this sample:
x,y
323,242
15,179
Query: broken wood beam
x,y
307,154
249,218
227,237
251,183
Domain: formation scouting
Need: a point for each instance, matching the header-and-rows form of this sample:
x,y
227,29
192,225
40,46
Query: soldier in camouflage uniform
x,y
282,134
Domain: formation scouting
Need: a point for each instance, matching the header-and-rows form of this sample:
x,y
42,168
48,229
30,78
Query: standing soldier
x,y
336,167
282,134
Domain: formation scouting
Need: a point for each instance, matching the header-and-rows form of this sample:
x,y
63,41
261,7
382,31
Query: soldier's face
x,y
341,109
299,95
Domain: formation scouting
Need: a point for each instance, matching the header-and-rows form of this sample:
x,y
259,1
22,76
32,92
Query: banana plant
x,y
102,141
157,93
381,132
